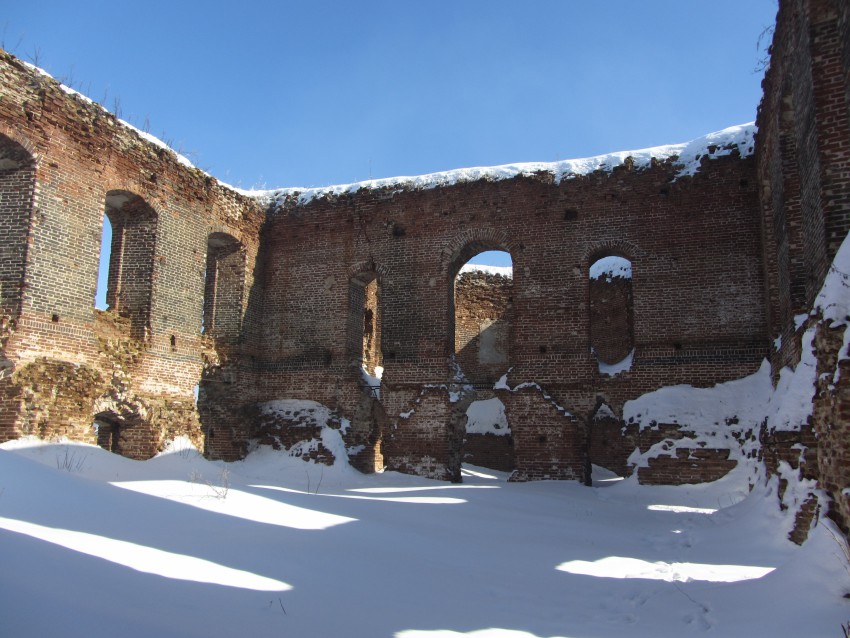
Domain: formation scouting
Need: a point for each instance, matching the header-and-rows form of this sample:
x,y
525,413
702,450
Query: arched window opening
x,y
482,312
611,314
364,328
17,188
131,259
224,284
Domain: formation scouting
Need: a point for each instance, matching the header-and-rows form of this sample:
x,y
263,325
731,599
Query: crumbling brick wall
x,y
803,151
65,164
698,315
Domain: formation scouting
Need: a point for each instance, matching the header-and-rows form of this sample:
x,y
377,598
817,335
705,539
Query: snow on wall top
x,y
687,157
182,159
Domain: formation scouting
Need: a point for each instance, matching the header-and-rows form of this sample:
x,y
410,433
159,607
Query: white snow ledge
x,y
689,156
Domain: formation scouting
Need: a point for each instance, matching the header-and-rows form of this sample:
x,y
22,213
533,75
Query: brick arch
x,y
223,229
369,266
452,256
15,136
611,247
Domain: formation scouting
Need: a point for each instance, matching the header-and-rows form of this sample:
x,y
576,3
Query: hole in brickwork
x,y
173,343
109,429
364,325
224,284
129,277
54,318
103,266
482,311
611,310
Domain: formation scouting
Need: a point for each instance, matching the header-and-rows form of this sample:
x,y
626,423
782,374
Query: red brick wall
x,y
51,213
694,243
803,150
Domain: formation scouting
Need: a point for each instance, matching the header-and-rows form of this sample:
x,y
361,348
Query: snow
x,y
726,416
114,546
688,157
310,414
790,406
373,380
613,369
705,410
501,271
610,267
604,412
833,300
487,417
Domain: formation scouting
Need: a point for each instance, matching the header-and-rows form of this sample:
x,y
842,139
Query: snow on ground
x,y
93,544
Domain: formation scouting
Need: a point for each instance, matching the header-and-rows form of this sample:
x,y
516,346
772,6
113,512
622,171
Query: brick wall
x,y
803,151
698,314
65,164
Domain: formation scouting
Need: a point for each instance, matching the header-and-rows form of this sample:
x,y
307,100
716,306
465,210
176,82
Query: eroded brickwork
x,y
65,164
803,151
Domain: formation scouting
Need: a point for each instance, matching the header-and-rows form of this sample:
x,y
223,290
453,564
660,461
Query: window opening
x,y
612,314
364,299
129,278
103,266
482,308
223,288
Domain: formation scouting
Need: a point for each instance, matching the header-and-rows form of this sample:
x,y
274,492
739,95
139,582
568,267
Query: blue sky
x,y
283,93
315,93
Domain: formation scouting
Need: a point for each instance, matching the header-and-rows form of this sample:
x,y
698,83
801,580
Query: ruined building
x,y
222,302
